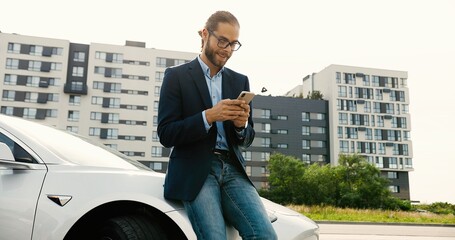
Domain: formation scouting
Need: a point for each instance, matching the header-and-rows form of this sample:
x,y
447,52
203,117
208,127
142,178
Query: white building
x,y
107,92
369,115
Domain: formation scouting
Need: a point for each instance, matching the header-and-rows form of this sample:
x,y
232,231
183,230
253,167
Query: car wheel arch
x,y
93,219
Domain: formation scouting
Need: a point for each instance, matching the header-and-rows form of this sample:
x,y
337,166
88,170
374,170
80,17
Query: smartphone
x,y
246,96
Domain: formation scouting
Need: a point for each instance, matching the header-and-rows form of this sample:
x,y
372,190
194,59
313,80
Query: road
x,y
349,231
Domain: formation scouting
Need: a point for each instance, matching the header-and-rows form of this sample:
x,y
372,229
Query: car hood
x,y
53,146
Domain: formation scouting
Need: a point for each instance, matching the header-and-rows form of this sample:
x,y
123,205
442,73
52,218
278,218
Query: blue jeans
x,y
227,195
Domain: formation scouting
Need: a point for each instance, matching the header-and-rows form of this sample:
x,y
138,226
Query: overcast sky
x,y
283,41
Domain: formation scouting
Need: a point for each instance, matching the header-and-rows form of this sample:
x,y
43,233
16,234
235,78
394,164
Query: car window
x,y
20,155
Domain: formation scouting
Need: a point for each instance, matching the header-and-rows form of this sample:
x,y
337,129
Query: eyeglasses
x,y
224,43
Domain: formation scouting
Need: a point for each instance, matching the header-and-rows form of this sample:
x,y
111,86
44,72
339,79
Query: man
x,y
201,119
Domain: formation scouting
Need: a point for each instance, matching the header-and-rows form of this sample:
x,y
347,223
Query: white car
x,y
56,185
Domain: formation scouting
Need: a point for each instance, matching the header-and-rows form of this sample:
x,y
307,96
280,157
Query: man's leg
x,y
205,212
243,207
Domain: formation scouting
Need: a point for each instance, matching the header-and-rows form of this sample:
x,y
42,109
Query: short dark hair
x,y
220,17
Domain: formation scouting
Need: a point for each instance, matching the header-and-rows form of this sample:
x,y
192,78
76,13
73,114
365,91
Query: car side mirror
x,y
5,153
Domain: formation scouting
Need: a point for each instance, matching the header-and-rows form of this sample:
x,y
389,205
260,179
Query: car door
x,y
21,179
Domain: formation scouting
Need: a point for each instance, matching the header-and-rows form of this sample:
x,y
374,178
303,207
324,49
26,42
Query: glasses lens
x,y
235,46
223,43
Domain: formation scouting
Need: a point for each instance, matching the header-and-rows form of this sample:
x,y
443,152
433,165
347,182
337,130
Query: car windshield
x,y
75,148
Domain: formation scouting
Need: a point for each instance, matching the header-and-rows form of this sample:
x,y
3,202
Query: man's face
x,y
216,55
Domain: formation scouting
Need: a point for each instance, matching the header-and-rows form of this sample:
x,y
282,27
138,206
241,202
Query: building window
x,y
29,112
306,144
34,66
379,94
393,162
248,170
265,156
367,107
155,120
394,189
157,91
318,144
369,134
318,158
392,175
73,129
344,146
52,97
266,127
14,48
340,132
8,95
157,166
160,62
305,130
51,113
10,79
247,155
338,77
379,162
159,76
366,80
282,145
79,57
157,151
319,116
408,162
12,63
343,118
318,130
36,50
380,121
73,116
78,72
265,142
7,110
351,133
75,100
265,113
305,116
155,137
306,158
342,91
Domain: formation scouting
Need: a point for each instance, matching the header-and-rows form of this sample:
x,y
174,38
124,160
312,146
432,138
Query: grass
x,y
328,213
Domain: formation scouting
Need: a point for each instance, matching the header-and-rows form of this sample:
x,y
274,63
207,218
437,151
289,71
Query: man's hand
x,y
242,119
227,109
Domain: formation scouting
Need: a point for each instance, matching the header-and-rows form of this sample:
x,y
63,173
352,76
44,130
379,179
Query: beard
x,y
212,56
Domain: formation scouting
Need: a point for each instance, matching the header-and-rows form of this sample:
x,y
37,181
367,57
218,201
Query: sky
x,y
283,41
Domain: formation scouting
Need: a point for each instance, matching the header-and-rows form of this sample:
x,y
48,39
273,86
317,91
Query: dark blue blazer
x,y
184,95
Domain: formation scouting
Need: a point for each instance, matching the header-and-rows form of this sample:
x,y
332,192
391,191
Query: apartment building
x,y
109,93
370,116
291,126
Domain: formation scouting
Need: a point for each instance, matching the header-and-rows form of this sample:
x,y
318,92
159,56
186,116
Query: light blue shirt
x,y
214,85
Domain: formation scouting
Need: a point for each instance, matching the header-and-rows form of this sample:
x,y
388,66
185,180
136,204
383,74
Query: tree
x,y
362,185
321,185
353,183
316,95
285,180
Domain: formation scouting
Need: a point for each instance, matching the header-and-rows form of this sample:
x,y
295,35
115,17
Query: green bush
x,y
438,208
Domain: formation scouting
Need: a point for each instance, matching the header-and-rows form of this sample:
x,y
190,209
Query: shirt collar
x,y
206,68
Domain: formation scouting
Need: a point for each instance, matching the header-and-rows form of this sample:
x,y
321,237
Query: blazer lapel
x,y
198,77
226,85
